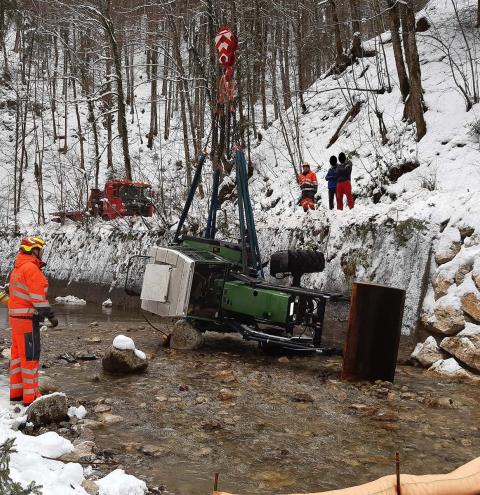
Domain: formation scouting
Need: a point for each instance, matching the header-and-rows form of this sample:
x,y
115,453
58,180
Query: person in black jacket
x,y
344,185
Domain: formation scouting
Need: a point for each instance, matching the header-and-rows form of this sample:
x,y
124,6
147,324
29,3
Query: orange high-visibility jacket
x,y
308,184
28,288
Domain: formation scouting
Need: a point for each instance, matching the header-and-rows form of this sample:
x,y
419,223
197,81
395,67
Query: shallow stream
x,y
267,425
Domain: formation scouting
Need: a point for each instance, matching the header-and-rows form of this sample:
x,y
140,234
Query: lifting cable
x,y
166,335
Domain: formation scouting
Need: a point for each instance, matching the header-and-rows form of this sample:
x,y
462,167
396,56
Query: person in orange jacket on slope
x,y
309,186
27,308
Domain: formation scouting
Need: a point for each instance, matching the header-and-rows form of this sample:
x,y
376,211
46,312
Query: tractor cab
x,y
122,198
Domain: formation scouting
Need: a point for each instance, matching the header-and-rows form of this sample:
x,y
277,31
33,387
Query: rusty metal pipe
x,y
374,327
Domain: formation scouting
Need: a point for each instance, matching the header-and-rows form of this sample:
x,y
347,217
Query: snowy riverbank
x,y
34,459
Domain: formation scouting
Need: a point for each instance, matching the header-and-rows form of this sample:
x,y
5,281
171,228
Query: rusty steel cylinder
x,y
374,329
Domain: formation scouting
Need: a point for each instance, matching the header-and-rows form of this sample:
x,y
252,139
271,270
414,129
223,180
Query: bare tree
x,y
414,103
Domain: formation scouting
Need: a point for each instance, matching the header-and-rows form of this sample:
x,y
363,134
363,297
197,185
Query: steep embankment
x,y
416,222
417,204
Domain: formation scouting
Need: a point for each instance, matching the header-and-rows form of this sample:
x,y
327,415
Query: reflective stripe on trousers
x,y
18,311
24,362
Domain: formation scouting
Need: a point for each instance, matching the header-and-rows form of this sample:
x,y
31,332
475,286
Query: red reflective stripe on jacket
x,y
27,283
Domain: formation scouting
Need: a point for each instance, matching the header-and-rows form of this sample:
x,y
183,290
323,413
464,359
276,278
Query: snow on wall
x,y
384,250
97,257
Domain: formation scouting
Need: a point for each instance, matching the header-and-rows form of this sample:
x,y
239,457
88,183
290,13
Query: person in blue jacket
x,y
331,177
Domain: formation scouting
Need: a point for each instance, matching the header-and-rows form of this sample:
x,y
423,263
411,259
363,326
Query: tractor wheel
x,y
185,337
297,262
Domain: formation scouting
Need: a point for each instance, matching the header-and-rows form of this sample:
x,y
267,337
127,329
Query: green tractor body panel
x,y
232,254
263,304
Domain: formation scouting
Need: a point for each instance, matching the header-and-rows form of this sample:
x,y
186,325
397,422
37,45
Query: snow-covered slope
x,y
396,225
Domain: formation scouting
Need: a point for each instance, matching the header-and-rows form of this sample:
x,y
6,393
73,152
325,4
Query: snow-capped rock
x,y
428,353
450,368
446,319
441,283
465,349
70,300
470,329
462,272
471,304
449,246
476,273
123,357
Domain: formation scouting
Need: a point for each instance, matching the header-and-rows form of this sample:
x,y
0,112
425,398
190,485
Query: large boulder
x,y
123,361
449,246
465,348
471,304
441,283
446,319
449,368
428,353
48,409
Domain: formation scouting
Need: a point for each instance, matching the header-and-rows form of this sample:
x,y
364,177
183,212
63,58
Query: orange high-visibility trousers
x,y
308,204
24,360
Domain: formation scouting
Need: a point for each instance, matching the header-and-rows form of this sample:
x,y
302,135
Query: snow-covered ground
x,y
34,459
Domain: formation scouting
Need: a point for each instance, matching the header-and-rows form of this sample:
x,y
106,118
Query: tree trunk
x,y
122,117
298,30
397,48
283,40
414,105
109,108
356,50
336,30
153,93
64,34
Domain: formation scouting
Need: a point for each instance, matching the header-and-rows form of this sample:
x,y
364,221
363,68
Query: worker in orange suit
x,y
27,308
309,186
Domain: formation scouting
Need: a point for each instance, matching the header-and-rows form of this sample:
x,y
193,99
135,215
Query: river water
x,y
269,426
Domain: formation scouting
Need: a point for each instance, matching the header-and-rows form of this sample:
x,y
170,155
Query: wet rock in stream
x,y
47,385
123,361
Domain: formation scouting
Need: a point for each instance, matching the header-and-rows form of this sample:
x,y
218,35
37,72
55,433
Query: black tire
x,y
293,261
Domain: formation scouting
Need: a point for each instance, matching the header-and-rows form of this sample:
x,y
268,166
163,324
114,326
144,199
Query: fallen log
x,y
352,113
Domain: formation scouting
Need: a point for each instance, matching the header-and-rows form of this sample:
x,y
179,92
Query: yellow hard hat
x,y
29,243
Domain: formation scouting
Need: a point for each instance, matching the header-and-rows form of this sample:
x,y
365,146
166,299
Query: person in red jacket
x,y
27,308
309,186
344,184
